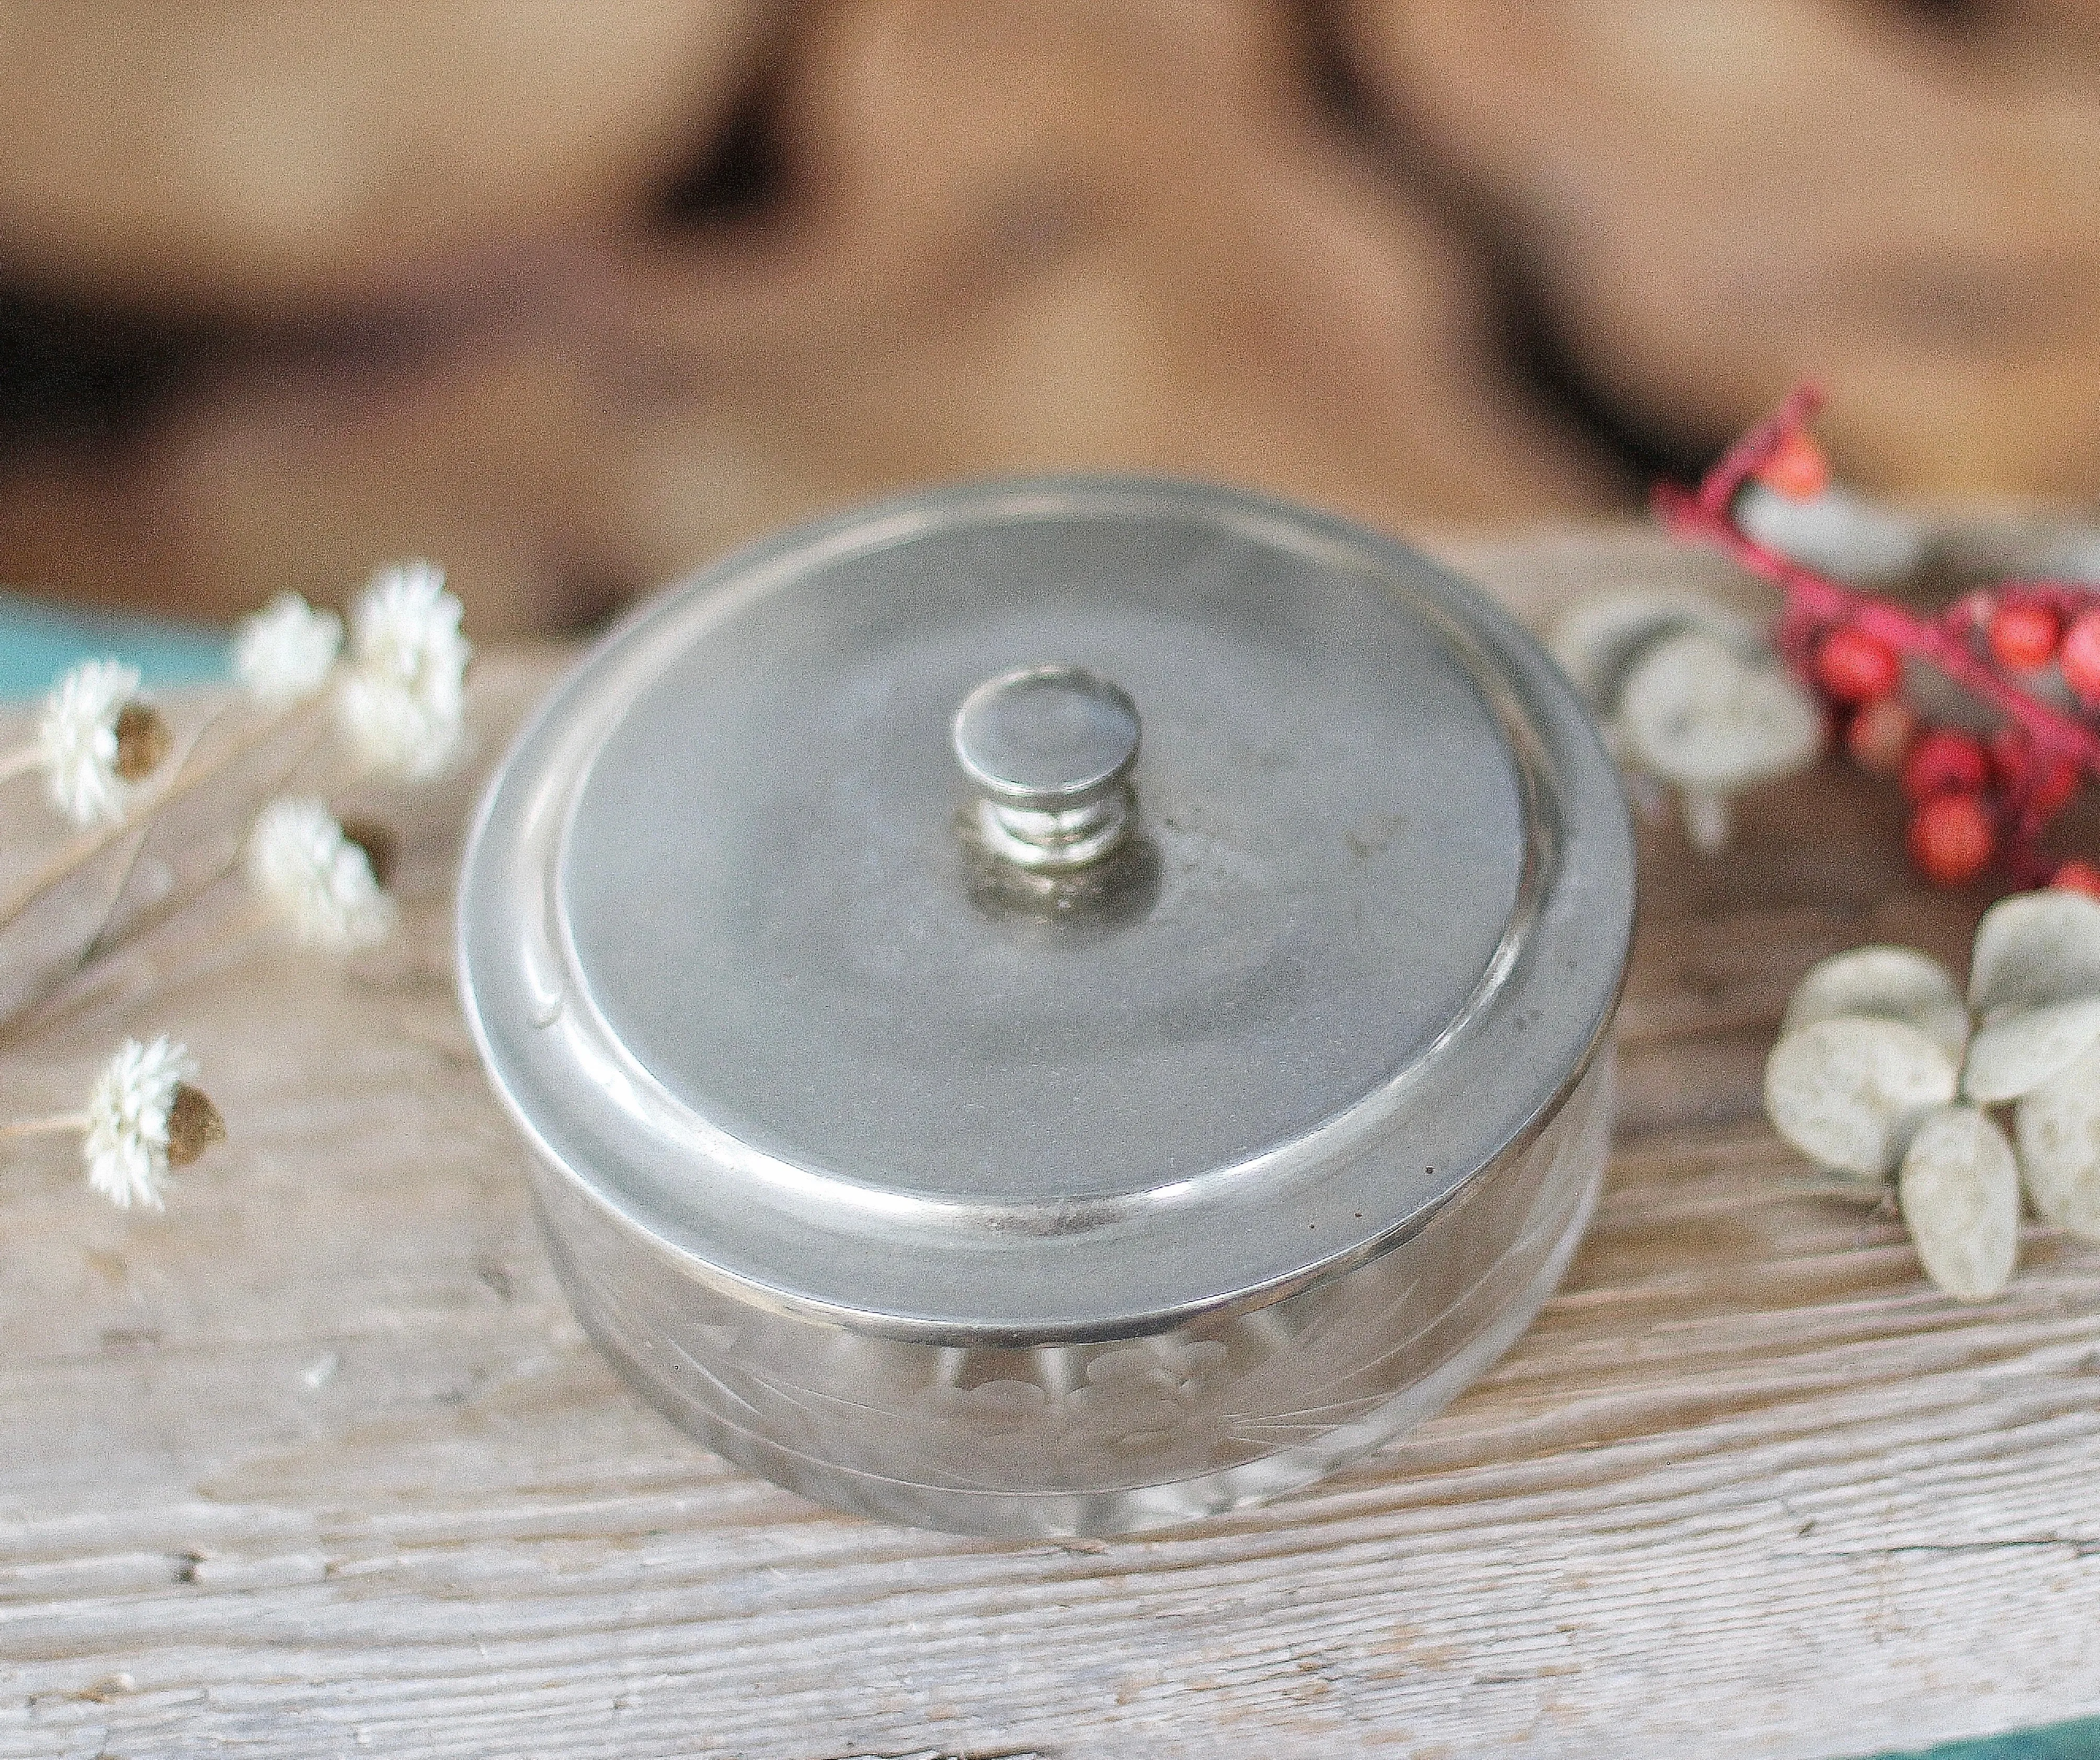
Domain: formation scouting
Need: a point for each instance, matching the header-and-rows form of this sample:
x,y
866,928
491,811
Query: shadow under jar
x,y
1056,1007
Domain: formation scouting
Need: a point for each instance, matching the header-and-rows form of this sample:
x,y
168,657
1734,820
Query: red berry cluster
x,y
2026,655
1961,789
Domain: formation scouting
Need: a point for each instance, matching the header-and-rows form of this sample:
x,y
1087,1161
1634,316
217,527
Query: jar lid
x,y
1046,911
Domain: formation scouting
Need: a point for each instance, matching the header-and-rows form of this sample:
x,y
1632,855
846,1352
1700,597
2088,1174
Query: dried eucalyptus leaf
x,y
1960,1190
2018,1049
1847,1093
1889,984
2036,948
1695,714
2058,1128
48,928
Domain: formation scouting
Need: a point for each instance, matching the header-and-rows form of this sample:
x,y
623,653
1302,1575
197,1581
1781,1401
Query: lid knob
x,y
1049,750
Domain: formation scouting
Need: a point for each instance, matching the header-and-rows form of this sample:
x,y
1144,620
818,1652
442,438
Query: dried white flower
x,y
1960,1190
402,703
1693,712
1860,1077
97,740
143,1117
285,652
317,882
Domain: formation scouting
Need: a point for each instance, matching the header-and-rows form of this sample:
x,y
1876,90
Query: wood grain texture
x,y
318,1464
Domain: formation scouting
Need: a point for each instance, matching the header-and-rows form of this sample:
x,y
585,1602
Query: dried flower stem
x,y
51,1125
188,947
184,779
187,776
136,967
1815,599
74,857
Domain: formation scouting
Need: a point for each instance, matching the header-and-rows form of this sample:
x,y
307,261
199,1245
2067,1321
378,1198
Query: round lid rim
x,y
1582,916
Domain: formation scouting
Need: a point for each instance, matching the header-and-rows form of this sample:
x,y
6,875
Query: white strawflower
x,y
403,702
97,740
316,880
143,1117
285,652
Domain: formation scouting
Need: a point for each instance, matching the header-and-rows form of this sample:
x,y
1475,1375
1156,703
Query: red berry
x,y
1797,469
1879,735
2055,786
2024,637
2053,781
1951,839
2077,874
1945,761
2045,784
1854,667
2080,657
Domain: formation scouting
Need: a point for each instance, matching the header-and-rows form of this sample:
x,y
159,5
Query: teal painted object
x,y
40,640
2060,1741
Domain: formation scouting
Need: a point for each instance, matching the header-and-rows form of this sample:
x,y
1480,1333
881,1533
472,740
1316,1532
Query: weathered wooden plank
x,y
318,1463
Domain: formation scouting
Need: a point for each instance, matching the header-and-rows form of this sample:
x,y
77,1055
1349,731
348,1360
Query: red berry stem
x,y
1824,601
1837,640
1755,450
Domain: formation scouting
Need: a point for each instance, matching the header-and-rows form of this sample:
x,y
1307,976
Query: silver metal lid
x,y
755,949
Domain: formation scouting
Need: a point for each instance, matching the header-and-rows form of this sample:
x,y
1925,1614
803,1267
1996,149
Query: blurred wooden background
x,y
572,298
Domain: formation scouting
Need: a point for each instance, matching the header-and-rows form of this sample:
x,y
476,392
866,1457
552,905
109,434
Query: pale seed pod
x,y
1836,532
1848,1091
1696,715
2036,948
2058,1129
2017,1049
1959,1191
1687,693
1598,642
1887,984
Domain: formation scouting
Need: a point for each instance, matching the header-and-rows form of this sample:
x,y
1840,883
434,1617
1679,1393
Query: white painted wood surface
x,y
318,1464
